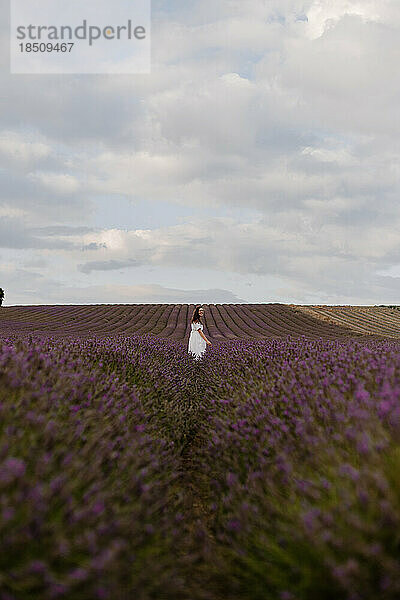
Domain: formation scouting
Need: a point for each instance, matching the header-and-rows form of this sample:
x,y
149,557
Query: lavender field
x,y
267,470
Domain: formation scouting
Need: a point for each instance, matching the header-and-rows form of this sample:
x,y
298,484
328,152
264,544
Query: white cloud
x,y
258,248
324,14
59,183
11,211
22,149
342,156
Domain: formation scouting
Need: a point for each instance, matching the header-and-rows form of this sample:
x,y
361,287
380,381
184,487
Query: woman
x,y
197,339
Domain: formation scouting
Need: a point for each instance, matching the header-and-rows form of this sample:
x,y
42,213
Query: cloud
x,y
61,230
131,294
25,284
344,80
11,212
274,124
58,183
42,205
35,263
260,247
107,265
13,234
341,157
323,15
18,149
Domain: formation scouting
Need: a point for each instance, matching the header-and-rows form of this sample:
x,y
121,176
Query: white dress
x,y
197,344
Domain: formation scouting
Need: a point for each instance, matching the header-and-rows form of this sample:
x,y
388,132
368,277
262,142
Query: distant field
x,y
222,321
380,320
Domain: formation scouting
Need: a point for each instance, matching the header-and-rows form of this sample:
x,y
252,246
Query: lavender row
x,y
91,505
293,446
302,462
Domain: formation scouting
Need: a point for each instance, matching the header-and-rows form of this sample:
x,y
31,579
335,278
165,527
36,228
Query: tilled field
x,y
379,320
221,321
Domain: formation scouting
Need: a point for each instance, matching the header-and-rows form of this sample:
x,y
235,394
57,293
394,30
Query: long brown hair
x,y
196,315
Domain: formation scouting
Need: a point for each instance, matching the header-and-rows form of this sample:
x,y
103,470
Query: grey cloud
x,y
24,286
108,265
13,234
39,202
62,230
94,246
143,294
35,263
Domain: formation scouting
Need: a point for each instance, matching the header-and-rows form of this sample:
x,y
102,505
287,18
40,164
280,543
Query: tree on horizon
x,y
1,296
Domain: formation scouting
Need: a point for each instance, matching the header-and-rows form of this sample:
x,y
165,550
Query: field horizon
x,y
222,321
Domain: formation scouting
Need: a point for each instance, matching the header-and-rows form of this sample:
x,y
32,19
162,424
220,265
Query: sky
x,y
259,161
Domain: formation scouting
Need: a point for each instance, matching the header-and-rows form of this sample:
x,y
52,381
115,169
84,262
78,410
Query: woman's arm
x,y
203,336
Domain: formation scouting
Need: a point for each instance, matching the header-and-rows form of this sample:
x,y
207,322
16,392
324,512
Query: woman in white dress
x,y
197,339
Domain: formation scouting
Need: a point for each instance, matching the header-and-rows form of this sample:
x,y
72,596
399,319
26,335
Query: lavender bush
x,y
269,469
89,499
303,460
